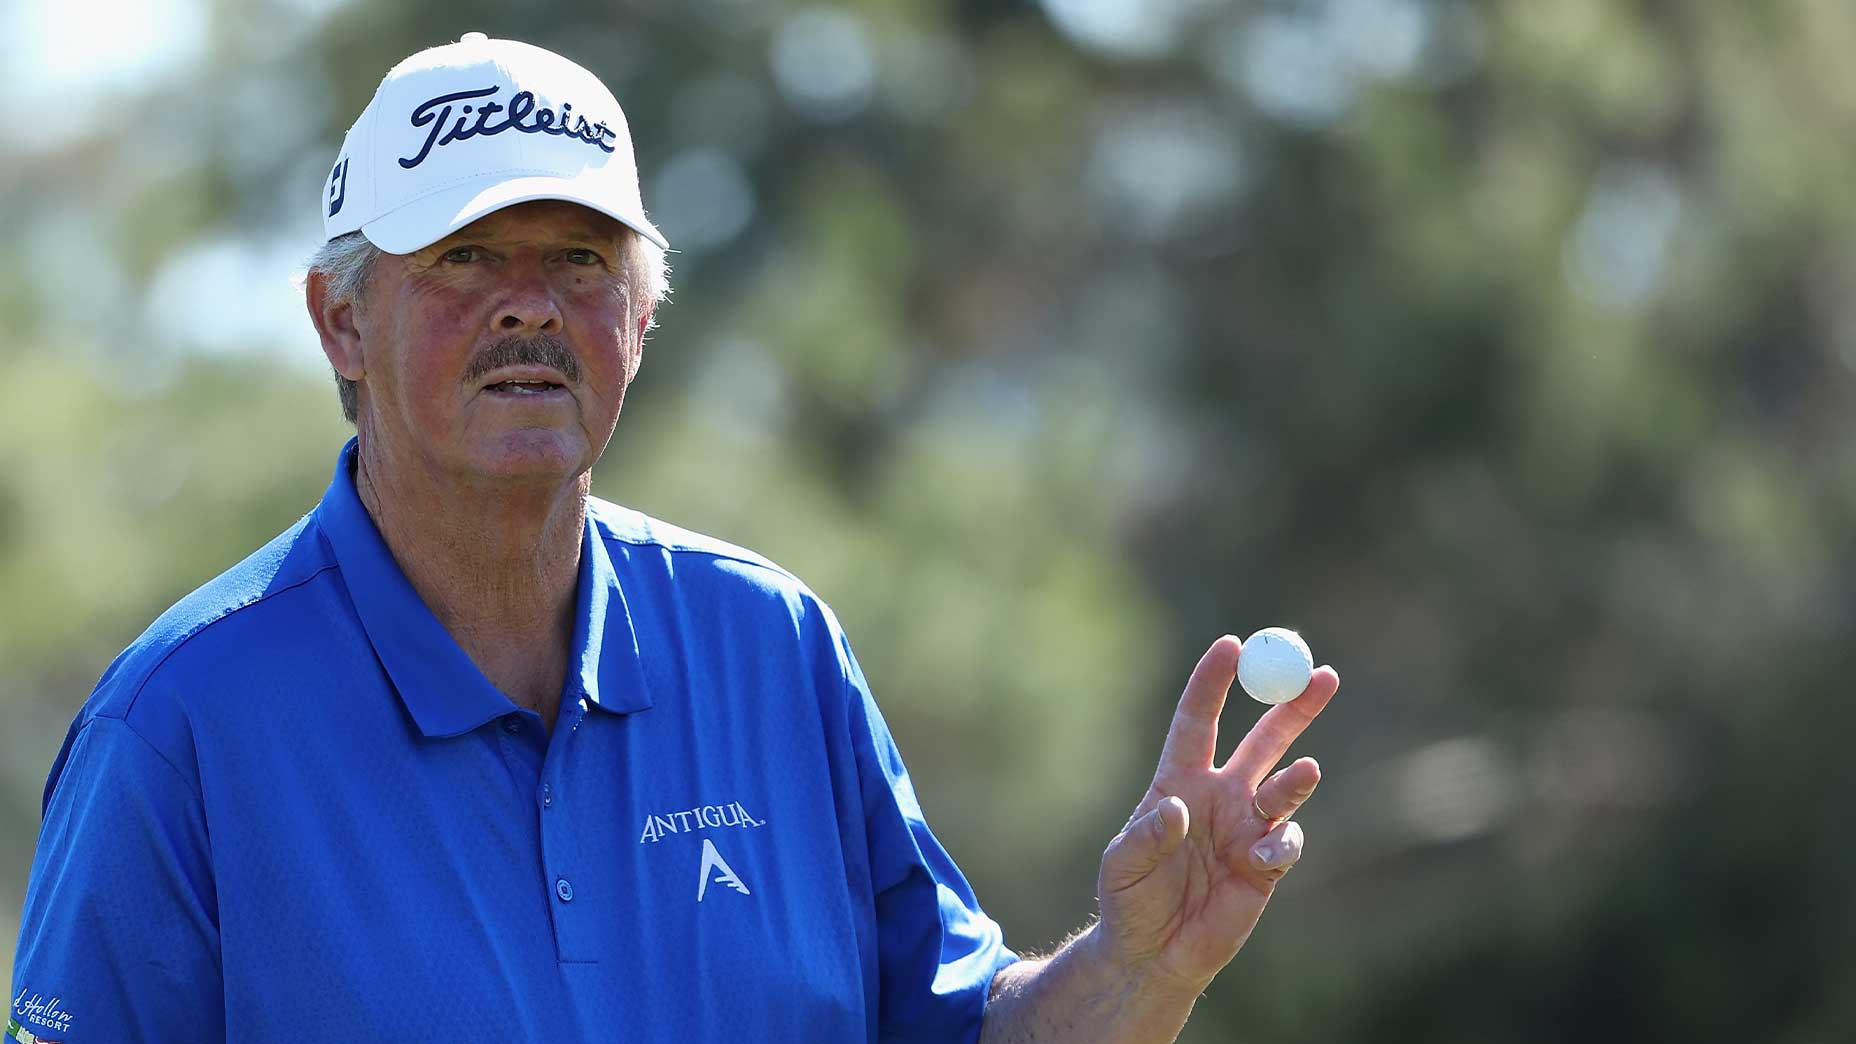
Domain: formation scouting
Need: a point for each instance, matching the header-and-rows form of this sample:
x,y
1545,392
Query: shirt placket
x,y
574,890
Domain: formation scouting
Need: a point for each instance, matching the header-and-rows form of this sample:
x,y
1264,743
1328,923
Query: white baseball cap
x,y
458,131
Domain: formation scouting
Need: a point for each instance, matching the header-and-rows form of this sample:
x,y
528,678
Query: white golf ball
x,y
1275,665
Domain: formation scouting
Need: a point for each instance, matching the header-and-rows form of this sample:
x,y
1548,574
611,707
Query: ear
x,y
335,324
644,323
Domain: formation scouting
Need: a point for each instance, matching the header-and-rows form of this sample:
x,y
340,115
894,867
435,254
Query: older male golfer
x,y
468,755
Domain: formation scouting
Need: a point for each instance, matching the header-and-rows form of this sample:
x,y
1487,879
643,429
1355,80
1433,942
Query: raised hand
x,y
1184,883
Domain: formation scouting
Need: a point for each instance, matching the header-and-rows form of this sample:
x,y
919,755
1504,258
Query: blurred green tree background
x,y
1507,349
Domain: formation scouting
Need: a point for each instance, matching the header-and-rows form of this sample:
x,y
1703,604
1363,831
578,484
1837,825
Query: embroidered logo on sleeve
x,y
41,1011
712,862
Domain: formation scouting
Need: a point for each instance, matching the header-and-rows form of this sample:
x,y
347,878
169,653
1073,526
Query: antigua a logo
x,y
712,862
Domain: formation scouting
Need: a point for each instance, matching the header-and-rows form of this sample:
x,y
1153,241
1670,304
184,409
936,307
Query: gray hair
x,y
347,261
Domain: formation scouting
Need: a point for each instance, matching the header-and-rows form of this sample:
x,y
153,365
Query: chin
x,y
533,454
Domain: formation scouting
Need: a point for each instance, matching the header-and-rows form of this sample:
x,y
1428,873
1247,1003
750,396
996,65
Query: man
x,y
467,754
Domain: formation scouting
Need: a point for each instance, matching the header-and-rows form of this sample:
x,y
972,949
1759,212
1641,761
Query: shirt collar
x,y
442,688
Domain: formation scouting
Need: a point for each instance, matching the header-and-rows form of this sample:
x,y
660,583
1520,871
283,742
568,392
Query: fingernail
x,y
1159,824
1264,854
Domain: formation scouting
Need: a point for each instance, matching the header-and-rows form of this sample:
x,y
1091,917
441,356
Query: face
x,y
501,353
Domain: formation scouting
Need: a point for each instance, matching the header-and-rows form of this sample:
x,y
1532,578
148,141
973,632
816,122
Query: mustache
x,y
525,351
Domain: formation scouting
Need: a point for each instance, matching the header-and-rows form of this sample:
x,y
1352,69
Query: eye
x,y
461,255
583,256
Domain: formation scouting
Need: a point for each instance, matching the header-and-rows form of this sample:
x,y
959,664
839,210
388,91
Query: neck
x,y
497,568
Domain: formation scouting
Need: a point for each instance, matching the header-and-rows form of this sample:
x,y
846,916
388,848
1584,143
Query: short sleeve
x,y
119,938
937,951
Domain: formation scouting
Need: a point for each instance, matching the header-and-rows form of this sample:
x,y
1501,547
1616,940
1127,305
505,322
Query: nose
x,y
528,305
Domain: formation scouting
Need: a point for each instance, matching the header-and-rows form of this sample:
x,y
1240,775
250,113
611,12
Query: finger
x,y
1142,844
1269,739
1283,793
1193,738
1280,849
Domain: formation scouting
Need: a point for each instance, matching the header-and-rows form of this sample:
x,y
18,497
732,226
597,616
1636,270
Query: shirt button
x,y
512,724
547,794
564,890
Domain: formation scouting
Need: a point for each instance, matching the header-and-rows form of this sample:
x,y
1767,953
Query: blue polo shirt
x,y
294,810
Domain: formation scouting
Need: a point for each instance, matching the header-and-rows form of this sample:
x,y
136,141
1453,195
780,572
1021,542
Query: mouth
x,y
525,383
523,388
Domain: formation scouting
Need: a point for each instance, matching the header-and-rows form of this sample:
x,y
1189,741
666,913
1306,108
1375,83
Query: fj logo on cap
x,y
338,187
436,113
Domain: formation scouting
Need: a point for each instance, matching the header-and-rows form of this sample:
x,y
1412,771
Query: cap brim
x,y
428,219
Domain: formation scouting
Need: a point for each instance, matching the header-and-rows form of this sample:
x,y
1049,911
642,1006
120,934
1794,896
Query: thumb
x,y
1142,844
